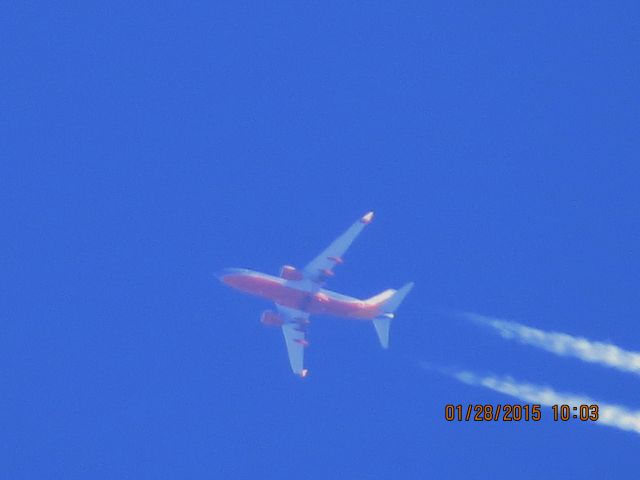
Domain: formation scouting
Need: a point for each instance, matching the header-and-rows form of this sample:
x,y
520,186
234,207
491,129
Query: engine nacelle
x,y
271,318
321,297
290,273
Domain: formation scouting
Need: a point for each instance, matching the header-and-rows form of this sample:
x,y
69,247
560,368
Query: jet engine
x,y
321,297
271,318
290,273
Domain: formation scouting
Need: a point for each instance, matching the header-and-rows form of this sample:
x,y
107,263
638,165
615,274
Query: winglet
x,y
367,217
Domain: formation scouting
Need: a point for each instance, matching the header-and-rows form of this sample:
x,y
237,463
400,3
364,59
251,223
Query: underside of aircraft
x,y
298,294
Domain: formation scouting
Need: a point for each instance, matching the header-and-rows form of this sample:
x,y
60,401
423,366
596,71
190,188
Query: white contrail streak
x,y
611,415
564,344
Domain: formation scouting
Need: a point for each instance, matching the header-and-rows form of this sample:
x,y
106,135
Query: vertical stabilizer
x,y
382,322
396,299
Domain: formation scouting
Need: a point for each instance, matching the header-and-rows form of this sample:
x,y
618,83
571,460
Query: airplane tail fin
x,y
396,298
380,298
389,301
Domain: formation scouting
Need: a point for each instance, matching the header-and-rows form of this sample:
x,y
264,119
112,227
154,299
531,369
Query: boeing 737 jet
x,y
298,294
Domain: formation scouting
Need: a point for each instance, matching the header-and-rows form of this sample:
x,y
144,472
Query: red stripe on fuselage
x,y
275,289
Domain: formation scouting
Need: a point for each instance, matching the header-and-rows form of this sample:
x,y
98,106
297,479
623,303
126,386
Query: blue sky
x,y
147,146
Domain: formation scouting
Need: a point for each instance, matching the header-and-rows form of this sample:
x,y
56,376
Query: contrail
x,y
564,344
611,415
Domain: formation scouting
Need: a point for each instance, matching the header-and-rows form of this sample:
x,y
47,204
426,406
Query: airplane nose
x,y
228,271
220,274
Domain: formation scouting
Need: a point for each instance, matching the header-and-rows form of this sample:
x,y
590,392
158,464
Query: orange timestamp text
x,y
517,412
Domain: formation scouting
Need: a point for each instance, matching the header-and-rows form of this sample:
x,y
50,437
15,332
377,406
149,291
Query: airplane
x,y
298,294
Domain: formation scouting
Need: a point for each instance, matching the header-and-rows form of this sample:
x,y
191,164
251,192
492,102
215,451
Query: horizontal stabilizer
x,y
382,325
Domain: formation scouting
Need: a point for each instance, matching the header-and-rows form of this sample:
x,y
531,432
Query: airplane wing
x,y
321,267
294,330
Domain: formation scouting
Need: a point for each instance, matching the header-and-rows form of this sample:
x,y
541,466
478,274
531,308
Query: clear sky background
x,y
146,145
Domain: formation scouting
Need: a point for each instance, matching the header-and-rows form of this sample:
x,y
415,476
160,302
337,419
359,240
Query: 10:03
x,y
584,413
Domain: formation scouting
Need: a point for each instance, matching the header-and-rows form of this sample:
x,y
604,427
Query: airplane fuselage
x,y
298,295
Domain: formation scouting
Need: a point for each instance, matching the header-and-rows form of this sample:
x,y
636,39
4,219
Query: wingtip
x,y
367,217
